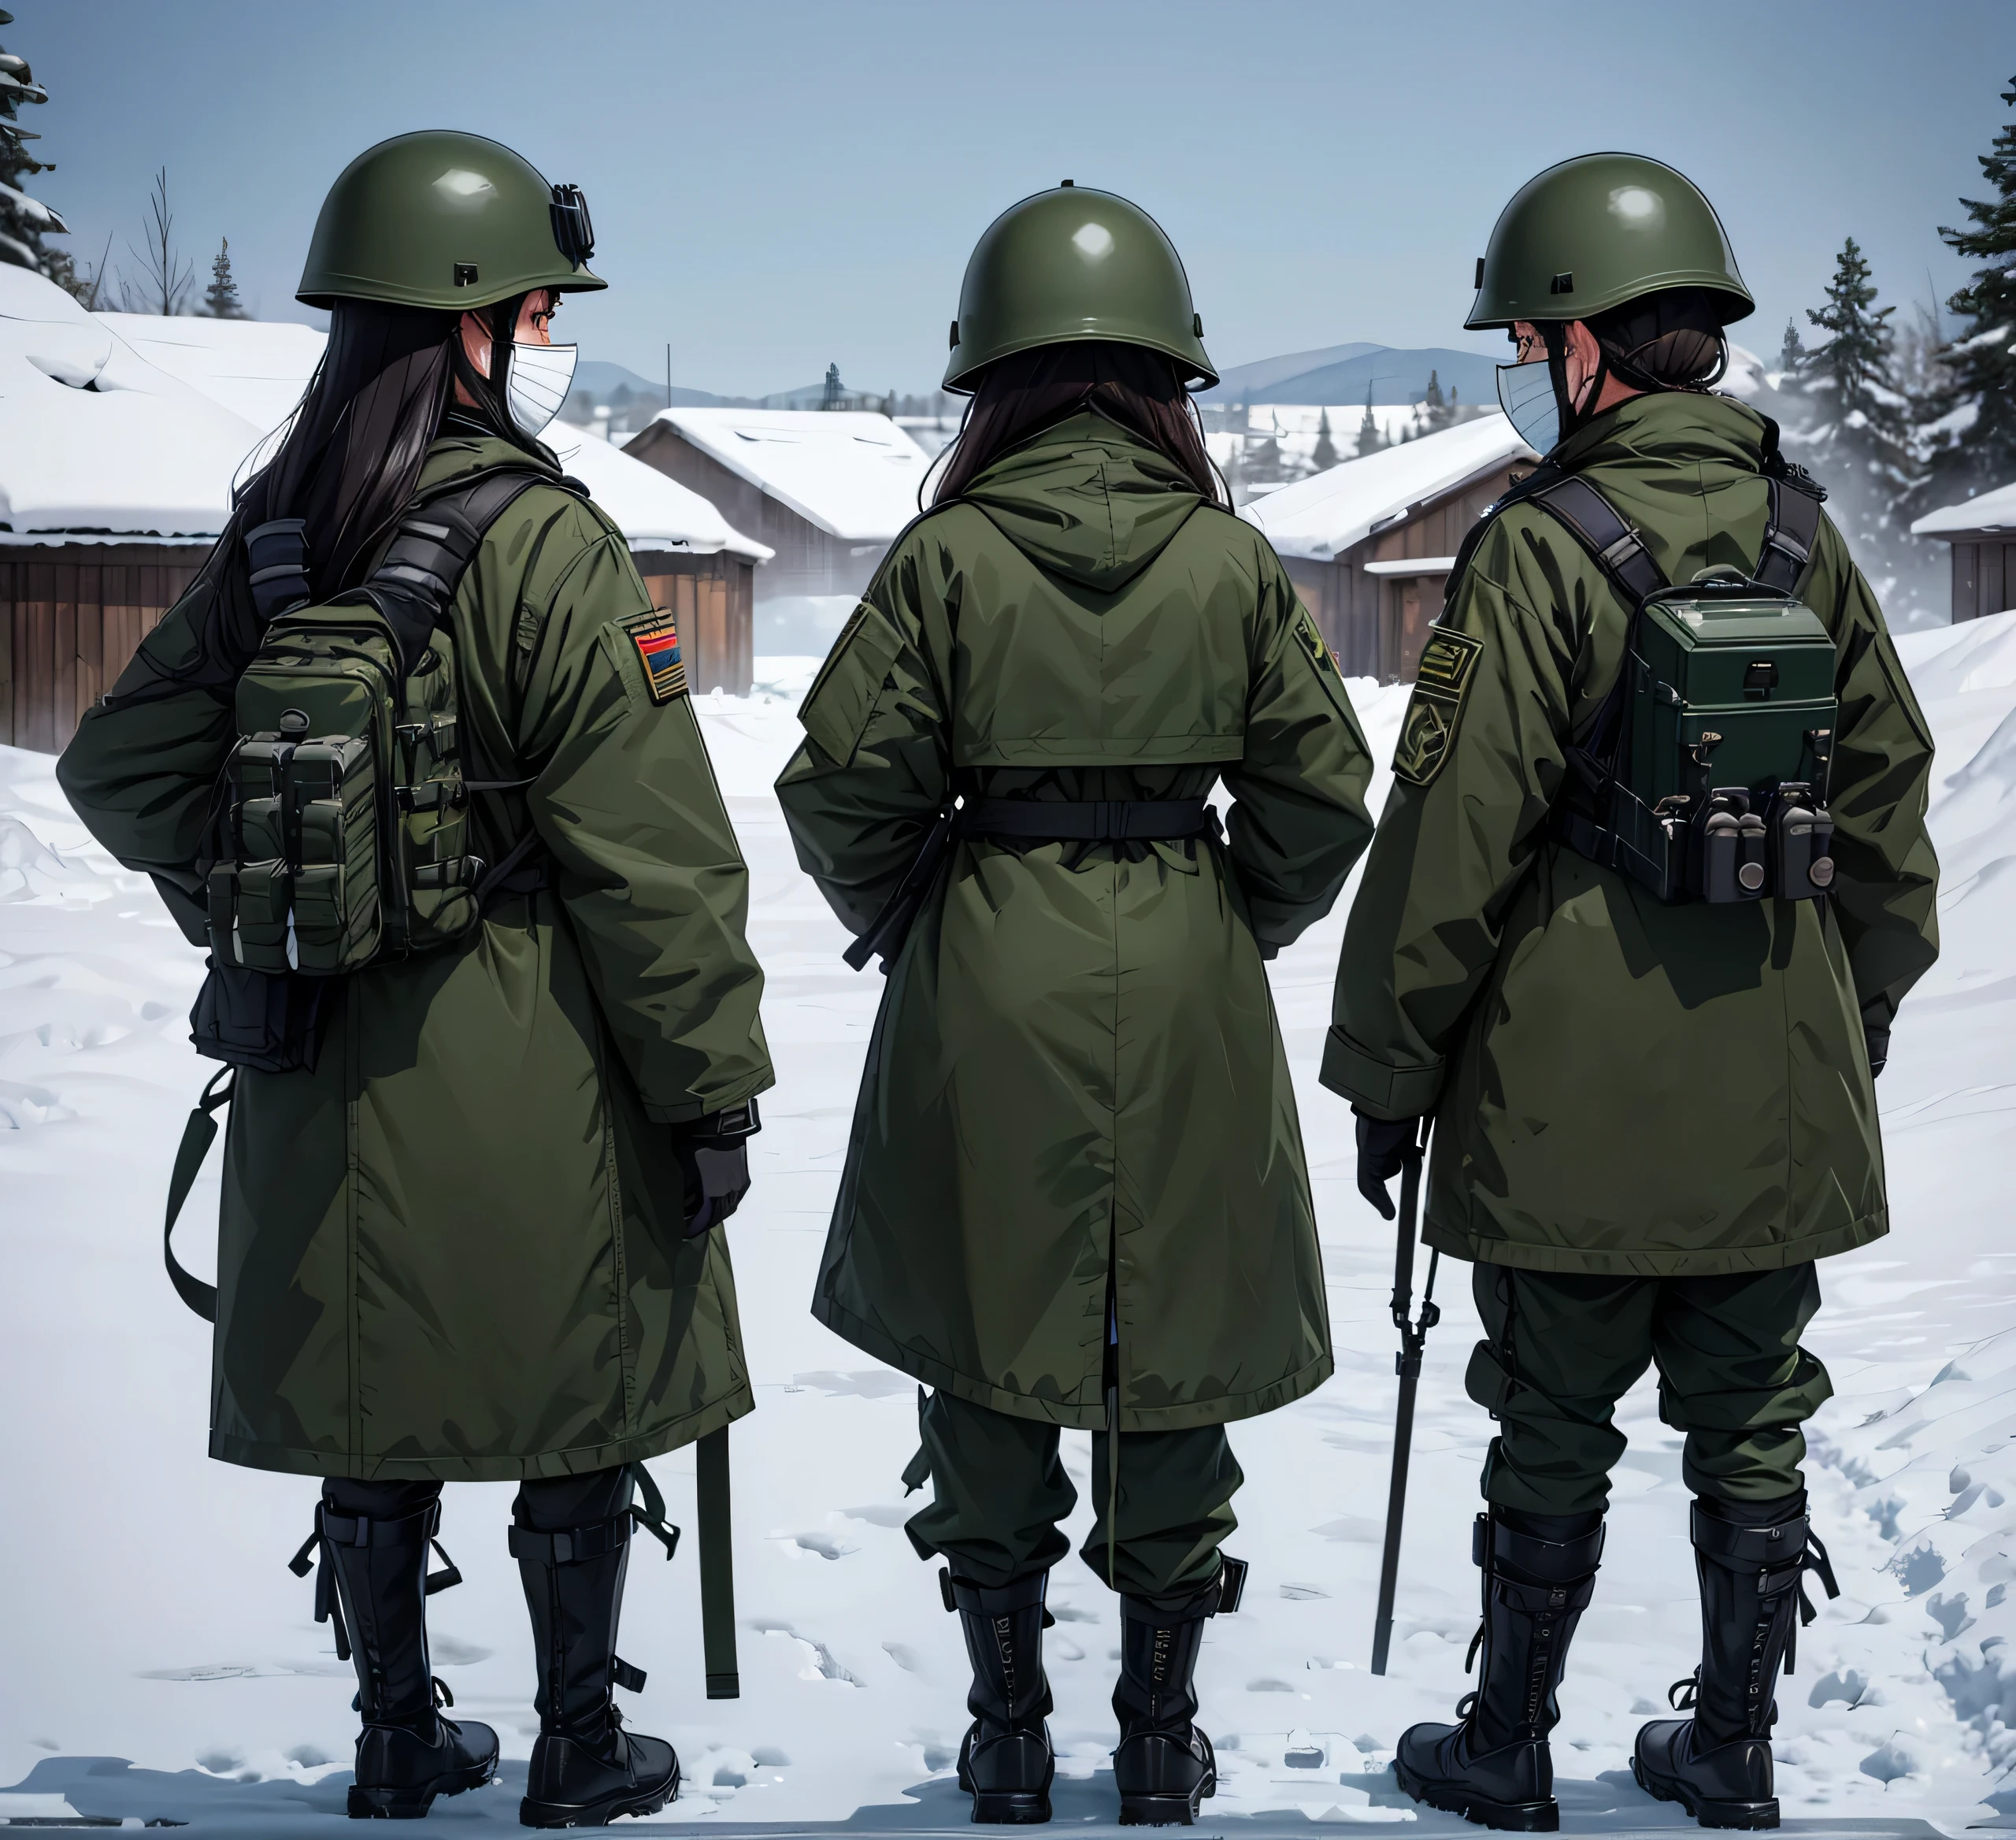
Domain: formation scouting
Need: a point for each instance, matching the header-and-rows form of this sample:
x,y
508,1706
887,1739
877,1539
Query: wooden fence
x,y
72,615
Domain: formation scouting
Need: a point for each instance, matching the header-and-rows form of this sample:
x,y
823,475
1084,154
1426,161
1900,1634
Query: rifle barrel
x,y
1408,1366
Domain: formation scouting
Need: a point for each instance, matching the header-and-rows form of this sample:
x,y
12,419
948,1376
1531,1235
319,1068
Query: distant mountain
x,y
601,379
1340,374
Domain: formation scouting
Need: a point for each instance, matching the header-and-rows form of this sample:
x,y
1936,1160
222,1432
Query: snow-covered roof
x,y
1995,510
1322,516
257,369
653,512
853,473
95,438
202,396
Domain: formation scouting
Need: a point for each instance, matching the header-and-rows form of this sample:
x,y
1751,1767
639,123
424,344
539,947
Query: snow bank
x,y
158,1582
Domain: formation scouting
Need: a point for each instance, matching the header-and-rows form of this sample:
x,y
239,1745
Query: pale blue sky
x,y
777,183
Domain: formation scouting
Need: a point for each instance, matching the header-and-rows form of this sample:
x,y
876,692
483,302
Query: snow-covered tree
x,y
1846,416
220,300
24,221
1970,436
1325,454
1791,352
1369,439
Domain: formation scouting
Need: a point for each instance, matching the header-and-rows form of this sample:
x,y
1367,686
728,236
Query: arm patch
x,y
1448,661
656,640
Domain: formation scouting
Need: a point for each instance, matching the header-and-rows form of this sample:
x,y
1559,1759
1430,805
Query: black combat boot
x,y
1163,1766
586,1769
374,1584
1005,1762
1752,1559
1495,1767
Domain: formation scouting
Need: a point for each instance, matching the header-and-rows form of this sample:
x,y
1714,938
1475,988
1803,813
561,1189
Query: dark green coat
x,y
454,1249
1620,1086
1077,1069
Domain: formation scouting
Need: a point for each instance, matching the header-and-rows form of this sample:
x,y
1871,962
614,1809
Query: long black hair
x,y
351,455
1021,395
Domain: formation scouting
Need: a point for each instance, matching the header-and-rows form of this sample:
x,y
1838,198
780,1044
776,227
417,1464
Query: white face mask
x,y
1525,392
536,382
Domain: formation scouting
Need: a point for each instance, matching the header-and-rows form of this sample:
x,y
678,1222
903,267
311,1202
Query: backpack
x,y
344,832
1704,774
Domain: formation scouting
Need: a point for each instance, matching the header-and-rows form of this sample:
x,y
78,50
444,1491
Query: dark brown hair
x,y
1670,341
1021,395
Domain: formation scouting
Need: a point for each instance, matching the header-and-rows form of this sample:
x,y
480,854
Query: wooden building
x,y
1982,531
1370,544
73,610
827,491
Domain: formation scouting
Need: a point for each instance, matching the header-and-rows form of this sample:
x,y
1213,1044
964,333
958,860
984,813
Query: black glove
x,y
713,1156
1383,1146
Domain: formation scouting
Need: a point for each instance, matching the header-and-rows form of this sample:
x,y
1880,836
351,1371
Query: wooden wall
x,y
72,616
713,602
1377,623
1984,577
808,560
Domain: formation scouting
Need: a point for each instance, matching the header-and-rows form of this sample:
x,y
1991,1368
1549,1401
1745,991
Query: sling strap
x,y
198,1135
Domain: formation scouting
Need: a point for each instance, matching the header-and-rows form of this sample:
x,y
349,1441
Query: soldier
x,y
463,1238
1645,1029
1075,1193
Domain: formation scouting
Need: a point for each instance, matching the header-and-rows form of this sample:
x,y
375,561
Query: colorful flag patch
x,y
657,641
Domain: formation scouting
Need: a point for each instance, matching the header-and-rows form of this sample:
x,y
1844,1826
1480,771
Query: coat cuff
x,y
1377,1089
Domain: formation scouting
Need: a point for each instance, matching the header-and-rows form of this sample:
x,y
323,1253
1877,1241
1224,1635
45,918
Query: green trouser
x,y
1562,1348
999,1493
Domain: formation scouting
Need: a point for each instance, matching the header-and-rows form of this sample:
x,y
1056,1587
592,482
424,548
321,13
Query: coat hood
x,y
1086,500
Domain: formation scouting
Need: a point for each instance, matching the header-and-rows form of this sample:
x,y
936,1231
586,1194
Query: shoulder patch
x,y
1448,661
1320,654
656,640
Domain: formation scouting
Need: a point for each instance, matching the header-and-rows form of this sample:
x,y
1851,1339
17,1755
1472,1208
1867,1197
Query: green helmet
x,y
445,220
1074,264
1595,231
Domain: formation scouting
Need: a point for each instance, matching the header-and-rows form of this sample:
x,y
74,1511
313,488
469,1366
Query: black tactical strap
x,y
717,1567
434,543
276,555
1791,527
1616,548
1093,821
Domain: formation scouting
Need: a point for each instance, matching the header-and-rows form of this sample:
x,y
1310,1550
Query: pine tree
x,y
1849,426
1858,355
1324,456
220,300
1435,413
24,221
1971,435
1791,354
1368,441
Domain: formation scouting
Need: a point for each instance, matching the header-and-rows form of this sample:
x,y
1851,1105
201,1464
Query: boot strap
x,y
570,1545
333,1529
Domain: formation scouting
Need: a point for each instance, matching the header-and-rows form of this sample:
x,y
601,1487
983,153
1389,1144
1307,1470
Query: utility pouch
x,y
270,1022
1704,774
348,815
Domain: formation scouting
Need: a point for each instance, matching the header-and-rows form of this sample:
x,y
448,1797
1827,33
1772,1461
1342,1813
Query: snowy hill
x,y
1341,373
146,1614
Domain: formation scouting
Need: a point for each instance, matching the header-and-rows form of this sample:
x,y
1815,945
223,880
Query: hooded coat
x,y
454,1249
1618,1086
1076,1089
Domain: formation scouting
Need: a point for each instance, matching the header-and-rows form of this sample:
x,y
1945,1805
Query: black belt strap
x,y
1093,821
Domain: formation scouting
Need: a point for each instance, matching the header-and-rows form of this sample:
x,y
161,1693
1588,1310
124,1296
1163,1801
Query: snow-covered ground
x,y
146,1613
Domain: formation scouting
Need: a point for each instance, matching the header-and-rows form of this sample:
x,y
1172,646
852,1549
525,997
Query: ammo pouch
x,y
1704,774
345,838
